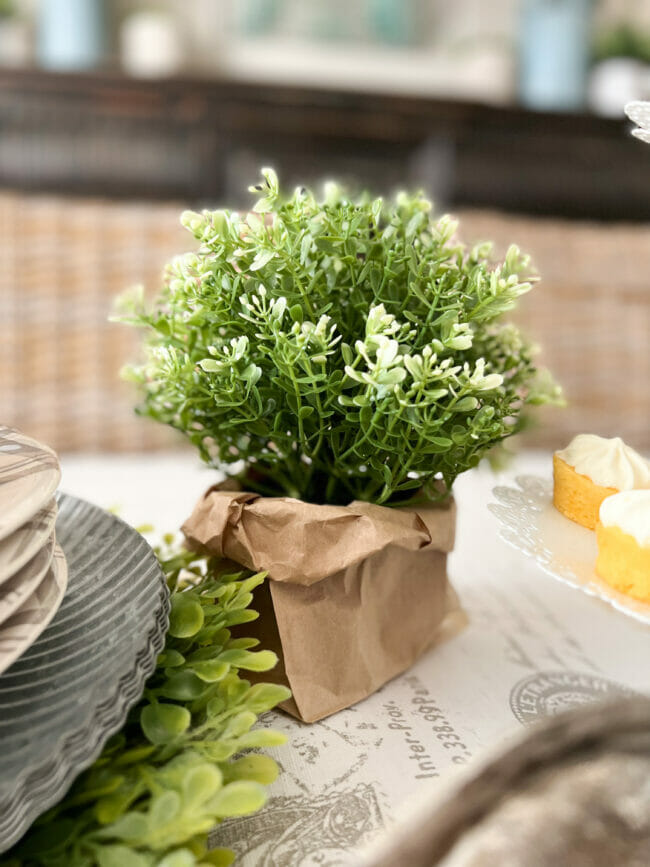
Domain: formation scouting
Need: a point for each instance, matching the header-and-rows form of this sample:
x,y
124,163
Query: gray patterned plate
x,y
563,549
74,686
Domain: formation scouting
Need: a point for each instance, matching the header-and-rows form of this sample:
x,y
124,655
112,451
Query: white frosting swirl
x,y
630,511
607,462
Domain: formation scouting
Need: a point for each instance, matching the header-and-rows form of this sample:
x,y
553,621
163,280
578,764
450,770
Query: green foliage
x,y
164,781
623,40
341,349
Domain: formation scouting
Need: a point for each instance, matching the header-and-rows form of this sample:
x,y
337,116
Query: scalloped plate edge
x,y
78,749
596,589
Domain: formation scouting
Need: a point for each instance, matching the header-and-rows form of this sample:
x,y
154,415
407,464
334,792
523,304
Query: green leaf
x,y
244,615
109,808
243,643
200,784
238,799
261,738
170,658
186,616
216,705
162,723
132,827
178,858
219,857
440,442
219,751
120,856
264,696
183,685
261,259
248,584
466,404
239,724
164,809
132,756
211,671
261,769
261,660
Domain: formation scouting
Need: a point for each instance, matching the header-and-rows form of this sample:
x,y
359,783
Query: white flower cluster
x,y
481,380
211,228
386,368
186,277
380,351
260,309
232,358
318,339
321,338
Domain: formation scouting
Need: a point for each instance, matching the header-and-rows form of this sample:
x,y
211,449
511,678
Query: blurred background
x,y
117,114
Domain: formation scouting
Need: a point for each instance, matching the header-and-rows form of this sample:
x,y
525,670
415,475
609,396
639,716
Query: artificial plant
x,y
338,349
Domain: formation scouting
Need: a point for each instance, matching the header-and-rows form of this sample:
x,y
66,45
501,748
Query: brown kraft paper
x,y
356,593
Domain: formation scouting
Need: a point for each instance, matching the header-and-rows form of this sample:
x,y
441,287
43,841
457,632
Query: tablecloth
x,y
533,647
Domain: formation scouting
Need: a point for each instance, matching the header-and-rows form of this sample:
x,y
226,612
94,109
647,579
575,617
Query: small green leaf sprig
x,y
341,349
176,769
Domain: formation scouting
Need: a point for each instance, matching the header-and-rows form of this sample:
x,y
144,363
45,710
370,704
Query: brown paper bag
x,y
356,593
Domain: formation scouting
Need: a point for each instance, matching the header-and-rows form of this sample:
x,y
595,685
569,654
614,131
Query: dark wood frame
x,y
199,140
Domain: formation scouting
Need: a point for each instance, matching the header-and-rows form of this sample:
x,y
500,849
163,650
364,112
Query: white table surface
x,y
533,646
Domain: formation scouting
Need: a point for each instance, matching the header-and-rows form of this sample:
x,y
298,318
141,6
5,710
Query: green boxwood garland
x,y
176,768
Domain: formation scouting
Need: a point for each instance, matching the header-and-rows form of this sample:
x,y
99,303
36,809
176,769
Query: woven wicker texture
x,y
64,260
591,315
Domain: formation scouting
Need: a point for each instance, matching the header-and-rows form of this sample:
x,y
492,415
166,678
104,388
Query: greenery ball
x,y
340,348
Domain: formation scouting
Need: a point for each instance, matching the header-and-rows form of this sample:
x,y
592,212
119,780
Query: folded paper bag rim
x,y
303,543
341,578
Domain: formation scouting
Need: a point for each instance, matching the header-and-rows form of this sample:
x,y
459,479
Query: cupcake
x,y
589,470
623,536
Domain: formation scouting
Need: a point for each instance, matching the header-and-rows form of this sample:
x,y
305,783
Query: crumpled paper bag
x,y
356,593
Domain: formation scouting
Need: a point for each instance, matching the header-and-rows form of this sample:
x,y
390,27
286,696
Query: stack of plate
x,y
33,571
84,609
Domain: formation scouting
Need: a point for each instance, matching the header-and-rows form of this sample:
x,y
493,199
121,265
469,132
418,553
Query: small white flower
x,y
277,308
387,353
482,381
380,322
239,347
461,336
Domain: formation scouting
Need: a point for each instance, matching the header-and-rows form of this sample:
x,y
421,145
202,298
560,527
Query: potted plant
x,y
344,360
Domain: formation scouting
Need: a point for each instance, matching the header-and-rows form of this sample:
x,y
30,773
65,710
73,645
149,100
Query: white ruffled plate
x,y
24,626
531,524
29,475
20,586
25,542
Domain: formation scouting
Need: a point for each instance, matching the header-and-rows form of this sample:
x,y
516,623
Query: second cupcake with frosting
x,y
592,468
